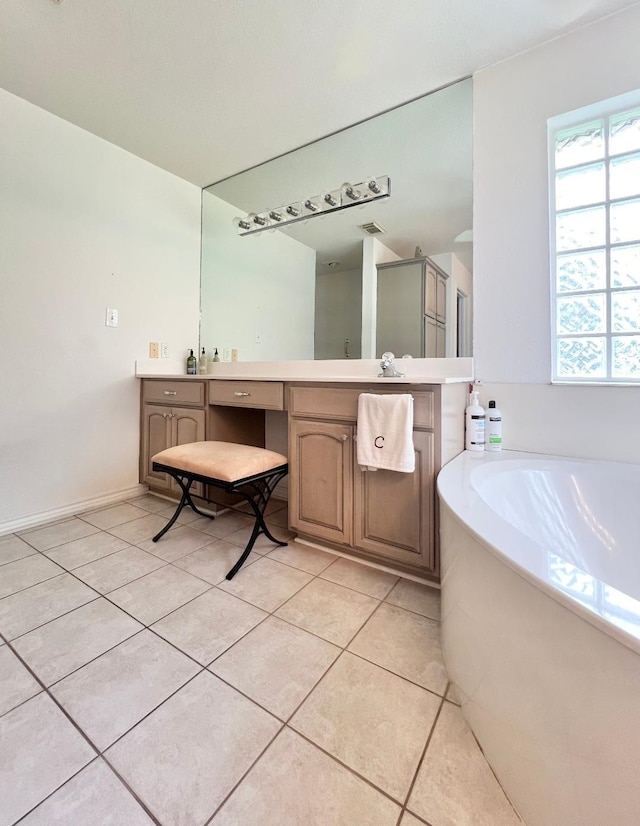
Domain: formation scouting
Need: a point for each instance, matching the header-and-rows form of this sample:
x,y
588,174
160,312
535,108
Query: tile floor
x,y
138,686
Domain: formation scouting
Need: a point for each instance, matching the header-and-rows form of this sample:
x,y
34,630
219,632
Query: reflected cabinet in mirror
x,y
364,273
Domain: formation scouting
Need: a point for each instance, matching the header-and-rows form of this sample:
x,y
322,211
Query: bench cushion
x,y
226,461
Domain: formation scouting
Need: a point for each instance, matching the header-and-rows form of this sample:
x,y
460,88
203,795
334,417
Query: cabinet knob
x,y
238,393
171,392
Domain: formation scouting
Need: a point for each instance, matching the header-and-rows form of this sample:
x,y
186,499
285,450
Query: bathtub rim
x,y
466,505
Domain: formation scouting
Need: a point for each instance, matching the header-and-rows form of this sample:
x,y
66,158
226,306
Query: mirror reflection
x,y
392,273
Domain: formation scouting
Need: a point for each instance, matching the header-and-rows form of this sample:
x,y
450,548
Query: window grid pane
x,y
597,267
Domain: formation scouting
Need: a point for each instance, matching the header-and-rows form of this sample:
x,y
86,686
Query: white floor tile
x,y
12,547
295,784
114,692
209,624
187,755
455,786
16,683
88,549
117,569
328,610
115,515
214,561
405,643
178,542
266,583
276,665
71,641
157,594
43,539
23,573
40,751
41,603
422,599
360,577
371,720
94,797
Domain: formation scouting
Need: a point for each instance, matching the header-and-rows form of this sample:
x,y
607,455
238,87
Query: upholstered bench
x,y
252,472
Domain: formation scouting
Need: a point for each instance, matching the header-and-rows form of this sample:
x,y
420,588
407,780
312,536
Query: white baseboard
x,y
40,518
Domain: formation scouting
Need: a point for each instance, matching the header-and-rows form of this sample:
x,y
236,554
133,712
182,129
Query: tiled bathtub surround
x,y
138,686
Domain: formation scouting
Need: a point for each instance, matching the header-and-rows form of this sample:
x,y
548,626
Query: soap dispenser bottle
x,y
474,424
202,363
191,364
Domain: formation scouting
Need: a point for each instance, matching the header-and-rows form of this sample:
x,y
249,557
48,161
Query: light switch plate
x,y
164,350
111,317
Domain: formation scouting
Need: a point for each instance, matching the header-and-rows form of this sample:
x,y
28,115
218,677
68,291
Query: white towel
x,y
385,431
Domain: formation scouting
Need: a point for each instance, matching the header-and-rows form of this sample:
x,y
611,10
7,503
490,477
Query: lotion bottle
x,y
474,421
202,363
494,428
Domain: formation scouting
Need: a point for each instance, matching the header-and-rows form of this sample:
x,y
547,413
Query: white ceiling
x,y
206,88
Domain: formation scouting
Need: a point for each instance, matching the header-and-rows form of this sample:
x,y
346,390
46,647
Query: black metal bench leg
x,y
185,500
258,503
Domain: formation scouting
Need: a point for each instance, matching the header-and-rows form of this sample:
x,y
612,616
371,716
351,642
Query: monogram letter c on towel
x,y
375,442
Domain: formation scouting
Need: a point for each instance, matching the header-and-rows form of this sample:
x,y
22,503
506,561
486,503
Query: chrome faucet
x,y
388,367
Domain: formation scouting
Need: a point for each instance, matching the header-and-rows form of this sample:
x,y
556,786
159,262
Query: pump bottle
x,y
191,364
202,363
475,422
494,428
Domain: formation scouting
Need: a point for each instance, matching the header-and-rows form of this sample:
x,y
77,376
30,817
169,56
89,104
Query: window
x,y
595,244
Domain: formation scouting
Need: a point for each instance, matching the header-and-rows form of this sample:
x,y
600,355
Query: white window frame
x,y
601,111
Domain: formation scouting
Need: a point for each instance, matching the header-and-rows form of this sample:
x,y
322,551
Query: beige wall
x,y
257,284
85,226
338,314
512,335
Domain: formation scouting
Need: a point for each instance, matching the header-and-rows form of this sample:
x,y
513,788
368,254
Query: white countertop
x,y
418,371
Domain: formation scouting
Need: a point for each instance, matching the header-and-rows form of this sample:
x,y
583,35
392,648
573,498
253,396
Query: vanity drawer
x,y
267,395
342,403
173,392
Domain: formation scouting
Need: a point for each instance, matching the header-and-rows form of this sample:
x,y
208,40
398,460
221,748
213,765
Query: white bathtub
x,y
541,628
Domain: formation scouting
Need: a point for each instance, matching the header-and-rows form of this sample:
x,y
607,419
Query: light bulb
x,y
350,192
241,223
330,199
373,186
276,215
259,220
294,210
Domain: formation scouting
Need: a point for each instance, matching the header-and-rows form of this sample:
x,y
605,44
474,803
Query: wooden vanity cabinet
x,y
384,516
167,425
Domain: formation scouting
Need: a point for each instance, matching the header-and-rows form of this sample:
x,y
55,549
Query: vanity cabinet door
x,y
320,488
394,512
187,425
156,436
163,427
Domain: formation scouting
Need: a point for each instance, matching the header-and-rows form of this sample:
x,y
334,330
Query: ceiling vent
x,y
372,228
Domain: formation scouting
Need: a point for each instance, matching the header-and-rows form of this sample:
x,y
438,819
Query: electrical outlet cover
x,y
153,349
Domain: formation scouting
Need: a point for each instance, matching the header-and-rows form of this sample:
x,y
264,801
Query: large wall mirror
x,y
309,290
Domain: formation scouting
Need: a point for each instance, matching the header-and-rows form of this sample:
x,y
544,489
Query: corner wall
x,y
262,284
85,226
512,337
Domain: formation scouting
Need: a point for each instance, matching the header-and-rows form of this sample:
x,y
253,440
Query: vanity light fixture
x,y
348,195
